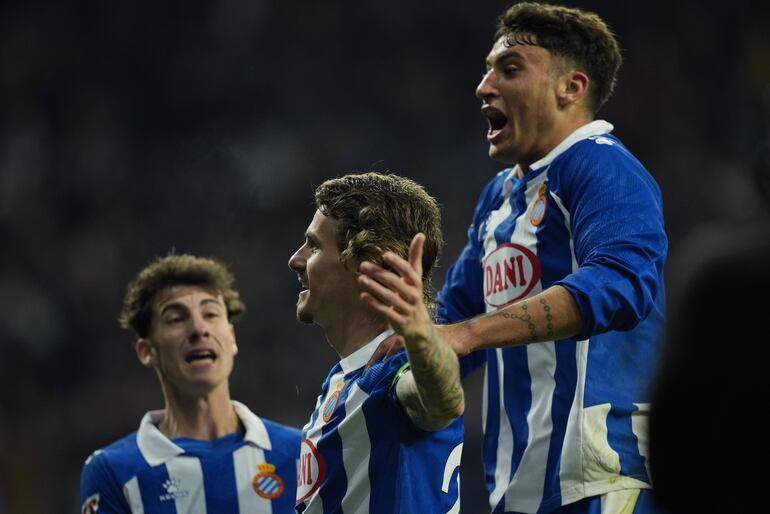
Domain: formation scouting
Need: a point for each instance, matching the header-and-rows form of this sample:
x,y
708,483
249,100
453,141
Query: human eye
x,y
173,318
211,314
509,70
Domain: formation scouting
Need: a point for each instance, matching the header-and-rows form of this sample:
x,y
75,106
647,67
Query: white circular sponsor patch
x,y
310,472
510,273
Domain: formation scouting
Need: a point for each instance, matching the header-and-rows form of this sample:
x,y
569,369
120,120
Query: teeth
x,y
200,356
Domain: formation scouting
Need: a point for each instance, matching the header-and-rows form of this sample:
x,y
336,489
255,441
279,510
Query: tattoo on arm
x,y
526,317
437,378
548,317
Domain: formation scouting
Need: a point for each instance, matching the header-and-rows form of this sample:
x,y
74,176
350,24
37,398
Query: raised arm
x,y
430,392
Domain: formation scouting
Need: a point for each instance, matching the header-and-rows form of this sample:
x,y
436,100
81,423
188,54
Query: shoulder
x,y
108,468
600,161
494,188
604,153
282,433
382,374
122,450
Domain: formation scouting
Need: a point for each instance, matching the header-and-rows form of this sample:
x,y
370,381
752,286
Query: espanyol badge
x,y
266,483
538,207
331,402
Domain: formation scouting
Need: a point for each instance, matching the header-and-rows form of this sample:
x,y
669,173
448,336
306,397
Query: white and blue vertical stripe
x,y
147,473
375,459
566,419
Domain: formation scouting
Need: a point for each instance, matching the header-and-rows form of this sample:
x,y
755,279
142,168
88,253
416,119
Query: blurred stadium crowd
x,y
132,128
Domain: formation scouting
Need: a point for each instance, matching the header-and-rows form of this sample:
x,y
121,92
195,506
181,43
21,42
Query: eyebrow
x,y
312,236
508,53
177,305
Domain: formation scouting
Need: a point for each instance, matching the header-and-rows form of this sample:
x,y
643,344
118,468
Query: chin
x,y
304,317
500,155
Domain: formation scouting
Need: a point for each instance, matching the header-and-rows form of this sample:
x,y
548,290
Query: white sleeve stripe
x,y
133,496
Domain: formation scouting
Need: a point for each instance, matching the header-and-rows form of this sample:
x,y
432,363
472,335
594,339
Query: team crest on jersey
x,y
266,483
310,472
538,207
510,273
331,402
91,505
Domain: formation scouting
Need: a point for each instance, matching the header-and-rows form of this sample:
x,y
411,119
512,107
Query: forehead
x,y
186,295
322,226
525,52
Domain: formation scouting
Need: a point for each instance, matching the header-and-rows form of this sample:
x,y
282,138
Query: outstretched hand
x,y
399,296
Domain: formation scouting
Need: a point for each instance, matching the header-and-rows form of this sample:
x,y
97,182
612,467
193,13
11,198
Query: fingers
x,y
392,344
373,276
415,253
394,294
393,317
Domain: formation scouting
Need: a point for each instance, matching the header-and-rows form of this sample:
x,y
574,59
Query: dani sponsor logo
x,y
310,472
510,273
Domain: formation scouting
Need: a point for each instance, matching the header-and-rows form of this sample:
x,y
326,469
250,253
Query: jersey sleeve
x,y
619,238
99,488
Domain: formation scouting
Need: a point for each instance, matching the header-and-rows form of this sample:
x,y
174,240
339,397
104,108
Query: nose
x,y
298,260
487,87
200,327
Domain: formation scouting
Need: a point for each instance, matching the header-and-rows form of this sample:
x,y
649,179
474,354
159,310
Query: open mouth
x,y
496,119
200,355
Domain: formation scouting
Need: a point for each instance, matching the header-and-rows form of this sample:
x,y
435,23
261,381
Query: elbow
x,y
448,416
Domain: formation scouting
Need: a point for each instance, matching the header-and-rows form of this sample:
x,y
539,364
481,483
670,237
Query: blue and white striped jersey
x,y
362,454
145,472
567,420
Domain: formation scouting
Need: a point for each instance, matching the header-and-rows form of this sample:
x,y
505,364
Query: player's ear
x,y
572,87
145,351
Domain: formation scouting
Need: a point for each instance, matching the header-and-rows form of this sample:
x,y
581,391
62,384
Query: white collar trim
x,y
361,356
156,448
593,128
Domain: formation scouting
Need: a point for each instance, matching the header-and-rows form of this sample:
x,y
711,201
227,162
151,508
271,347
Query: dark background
x,y
131,128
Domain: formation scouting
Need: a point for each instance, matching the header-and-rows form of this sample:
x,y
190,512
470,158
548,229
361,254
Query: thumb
x,y
415,252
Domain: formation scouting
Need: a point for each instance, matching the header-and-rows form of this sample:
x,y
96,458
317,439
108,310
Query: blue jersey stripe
x,y
621,437
219,483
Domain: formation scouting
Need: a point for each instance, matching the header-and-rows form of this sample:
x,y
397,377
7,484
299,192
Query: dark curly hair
x,y
176,270
580,37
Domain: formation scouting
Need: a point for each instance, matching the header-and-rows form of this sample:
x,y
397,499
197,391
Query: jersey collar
x,y
156,448
594,128
361,356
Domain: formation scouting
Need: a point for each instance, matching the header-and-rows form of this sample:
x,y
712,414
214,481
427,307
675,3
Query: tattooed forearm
x,y
524,317
437,377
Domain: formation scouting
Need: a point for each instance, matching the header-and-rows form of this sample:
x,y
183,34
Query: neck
x,y
569,124
348,336
205,417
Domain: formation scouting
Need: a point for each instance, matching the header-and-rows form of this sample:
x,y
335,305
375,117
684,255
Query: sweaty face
x,y
327,287
519,101
191,342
